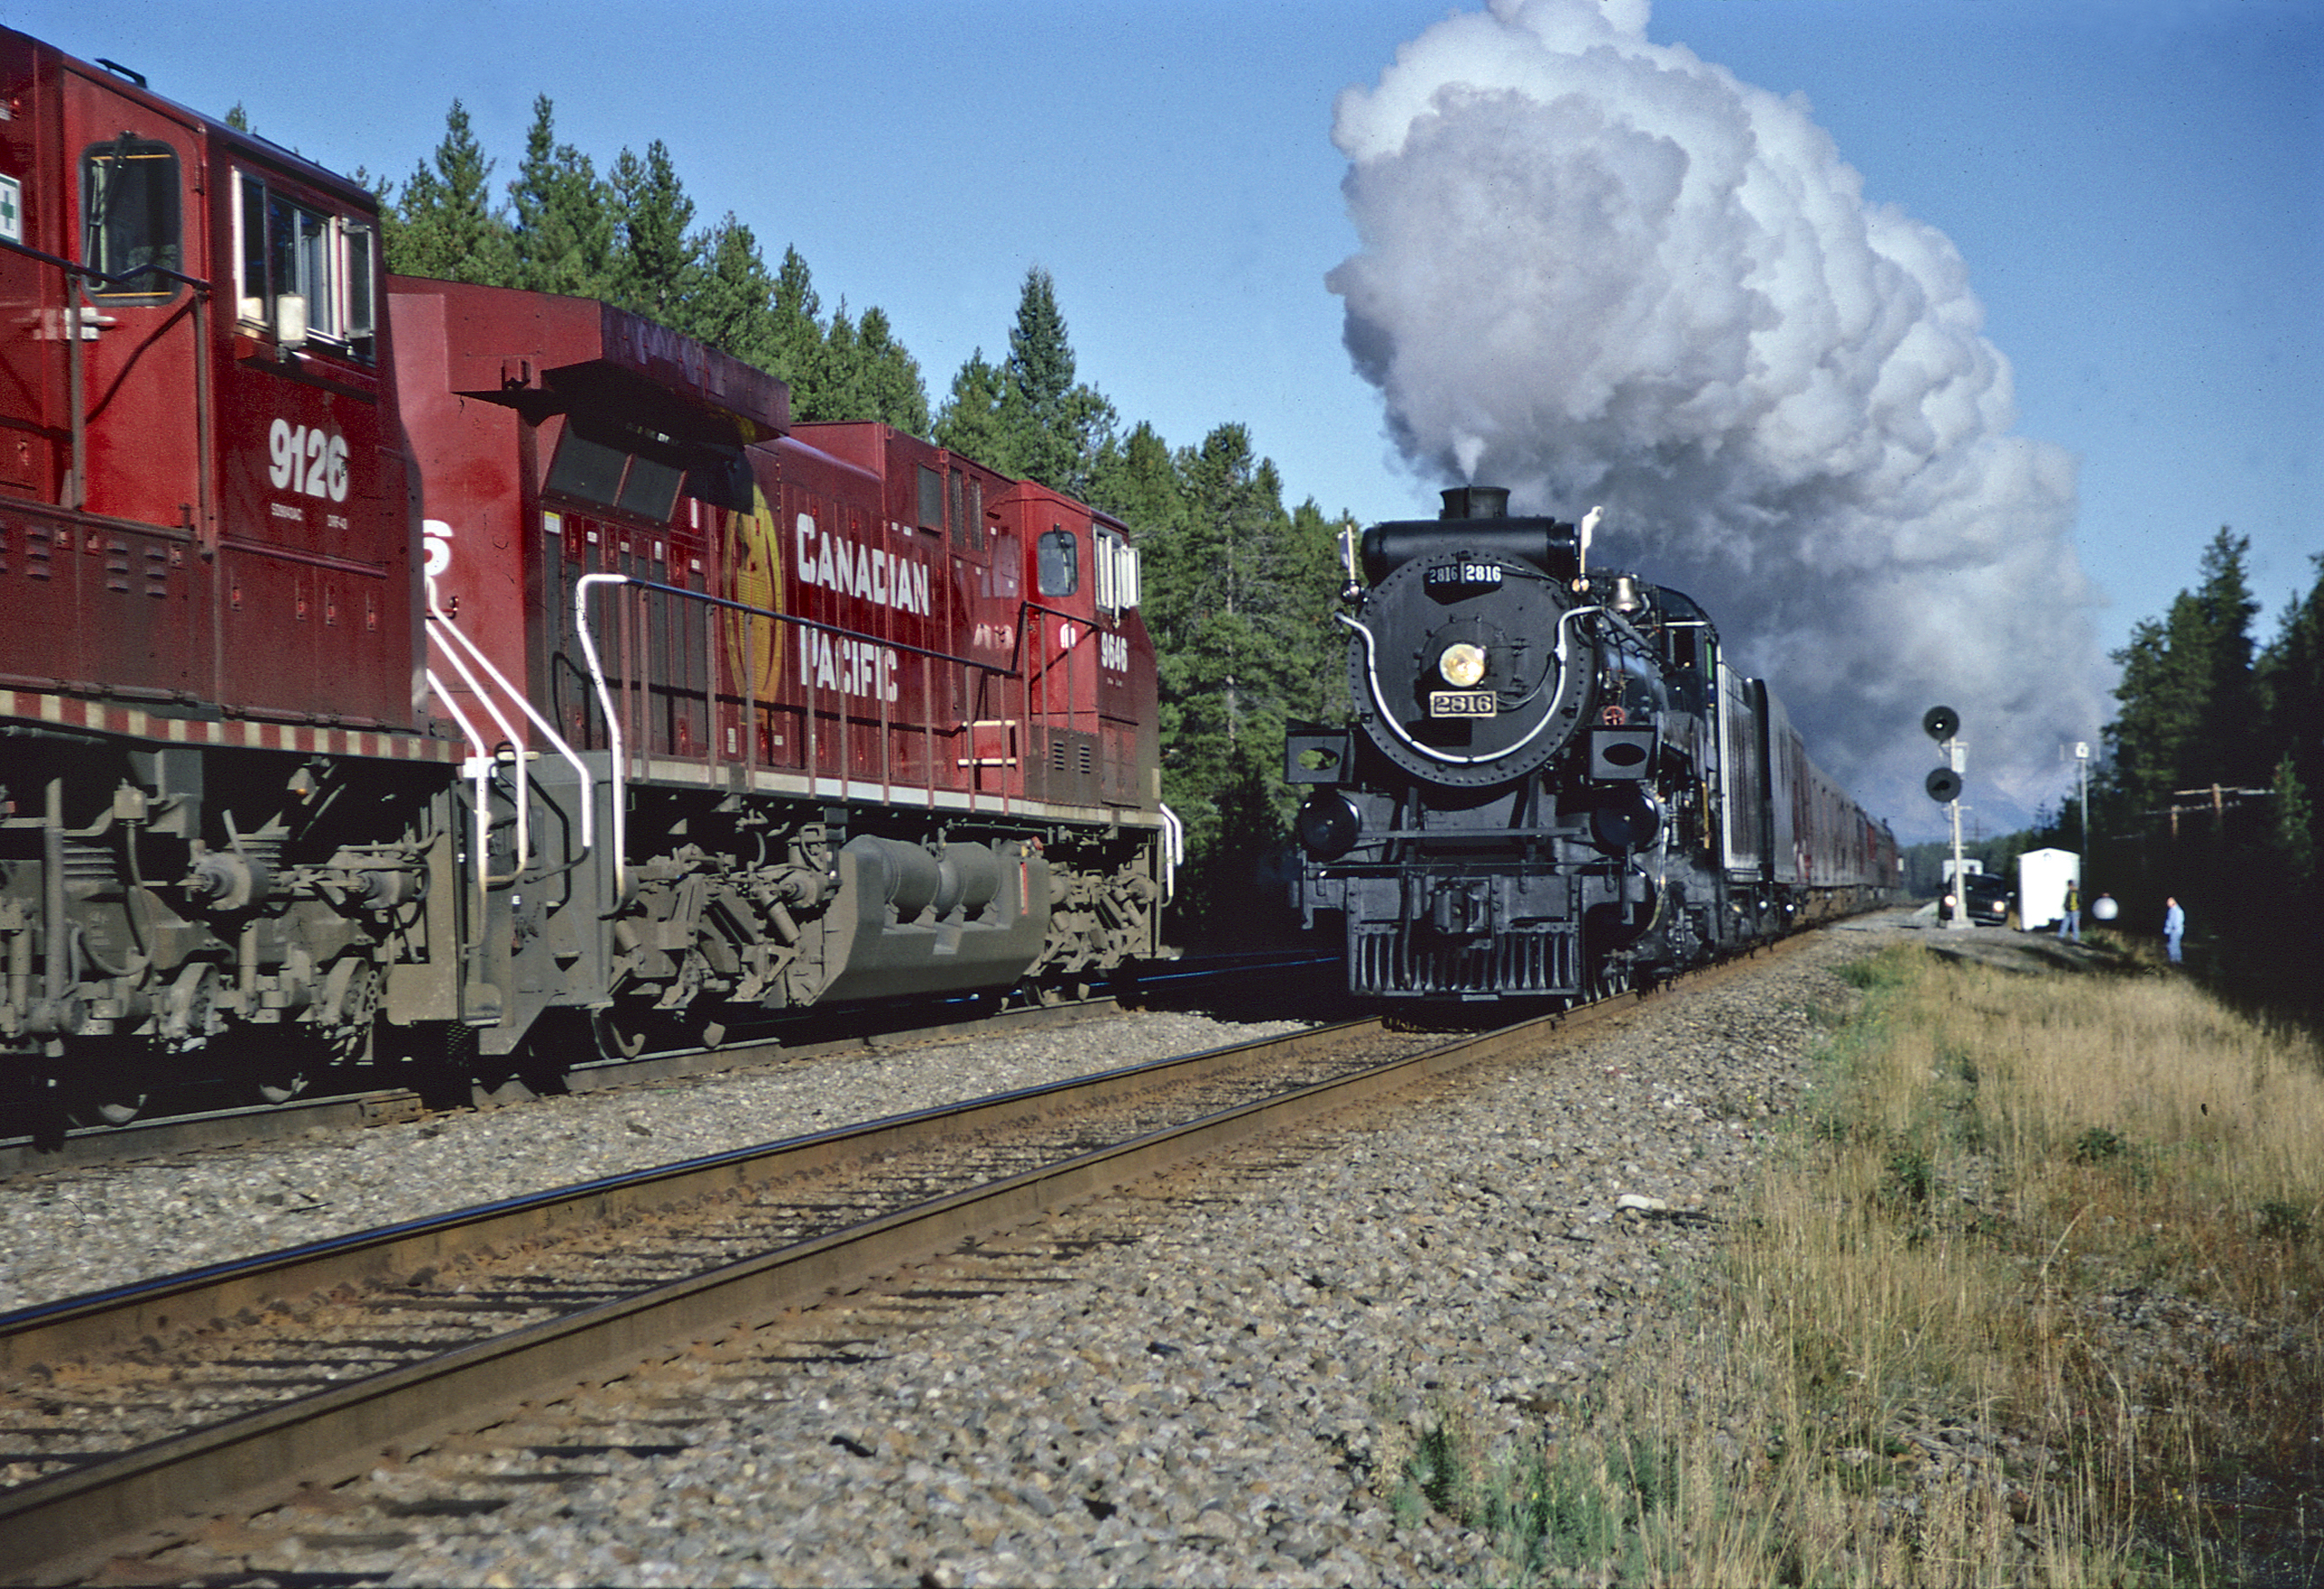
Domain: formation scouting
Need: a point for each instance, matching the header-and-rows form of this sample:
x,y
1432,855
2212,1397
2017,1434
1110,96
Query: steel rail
x,y
246,1125
61,1524
145,1499
110,1320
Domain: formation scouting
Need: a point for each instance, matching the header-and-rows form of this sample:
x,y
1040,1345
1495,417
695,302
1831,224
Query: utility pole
x,y
2081,775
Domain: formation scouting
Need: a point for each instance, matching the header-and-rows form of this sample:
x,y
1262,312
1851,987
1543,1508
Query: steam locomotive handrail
x,y
1372,678
1174,850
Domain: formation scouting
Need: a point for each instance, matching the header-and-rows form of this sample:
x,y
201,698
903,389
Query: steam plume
x,y
1596,269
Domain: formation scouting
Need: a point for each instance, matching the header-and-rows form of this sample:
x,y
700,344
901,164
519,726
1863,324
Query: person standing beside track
x,y
2069,925
2174,927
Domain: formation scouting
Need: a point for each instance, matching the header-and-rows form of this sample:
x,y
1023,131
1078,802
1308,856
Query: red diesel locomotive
x,y
406,667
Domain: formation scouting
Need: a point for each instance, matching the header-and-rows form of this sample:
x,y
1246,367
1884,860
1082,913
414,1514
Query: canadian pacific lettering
x,y
857,668
868,573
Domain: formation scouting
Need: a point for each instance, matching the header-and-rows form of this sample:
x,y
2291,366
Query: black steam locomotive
x,y
1553,785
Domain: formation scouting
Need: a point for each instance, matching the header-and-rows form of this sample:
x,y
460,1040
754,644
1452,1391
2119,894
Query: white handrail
x,y
1387,715
1174,850
620,775
484,754
539,719
482,771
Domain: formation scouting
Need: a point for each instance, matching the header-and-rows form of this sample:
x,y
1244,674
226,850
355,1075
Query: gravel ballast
x,y
65,1233
1199,1391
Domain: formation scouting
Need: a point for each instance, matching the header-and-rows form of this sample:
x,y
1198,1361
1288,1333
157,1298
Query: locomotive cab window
x,y
130,224
1059,569
303,274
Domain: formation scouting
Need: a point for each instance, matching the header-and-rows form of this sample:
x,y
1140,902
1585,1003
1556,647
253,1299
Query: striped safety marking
x,y
232,734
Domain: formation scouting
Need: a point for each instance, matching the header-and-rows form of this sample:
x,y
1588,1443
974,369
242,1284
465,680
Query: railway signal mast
x,y
1943,725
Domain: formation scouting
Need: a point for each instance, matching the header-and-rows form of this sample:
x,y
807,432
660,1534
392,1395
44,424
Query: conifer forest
x,y
2205,785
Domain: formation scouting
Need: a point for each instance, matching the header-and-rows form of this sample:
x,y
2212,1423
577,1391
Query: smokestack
x,y
1475,502
1604,270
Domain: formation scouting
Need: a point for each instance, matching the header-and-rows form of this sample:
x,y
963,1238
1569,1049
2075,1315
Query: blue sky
x,y
2136,188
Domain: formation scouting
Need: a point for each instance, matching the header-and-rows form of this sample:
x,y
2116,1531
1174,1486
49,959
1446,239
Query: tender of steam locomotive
x,y
1551,786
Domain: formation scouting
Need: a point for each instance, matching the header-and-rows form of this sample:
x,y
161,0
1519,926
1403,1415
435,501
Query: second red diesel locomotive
x,y
397,662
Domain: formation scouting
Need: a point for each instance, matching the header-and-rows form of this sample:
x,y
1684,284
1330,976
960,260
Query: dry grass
x,y
2032,1298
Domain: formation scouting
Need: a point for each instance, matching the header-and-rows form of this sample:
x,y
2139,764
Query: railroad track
x,y
206,1125
226,1389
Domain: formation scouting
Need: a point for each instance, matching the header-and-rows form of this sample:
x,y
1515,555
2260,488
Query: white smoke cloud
x,y
1599,271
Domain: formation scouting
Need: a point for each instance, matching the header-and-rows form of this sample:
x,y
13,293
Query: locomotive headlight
x,y
1328,825
1463,663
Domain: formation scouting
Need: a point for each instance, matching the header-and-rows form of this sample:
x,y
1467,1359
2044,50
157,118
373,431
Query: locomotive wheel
x,y
1055,995
111,1089
284,1067
119,1109
277,1078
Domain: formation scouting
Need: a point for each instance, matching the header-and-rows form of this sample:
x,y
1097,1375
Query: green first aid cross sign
x,y
11,209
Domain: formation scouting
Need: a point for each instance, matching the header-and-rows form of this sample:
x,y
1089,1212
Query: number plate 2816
x,y
1462,703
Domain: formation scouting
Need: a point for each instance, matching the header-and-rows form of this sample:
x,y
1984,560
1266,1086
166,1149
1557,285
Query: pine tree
x,y
445,225
2292,830
976,419
565,227
1317,641
734,309
841,394
1208,653
657,265
1040,375
1137,480
2292,679
1035,416
799,343
2189,714
2214,630
890,379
